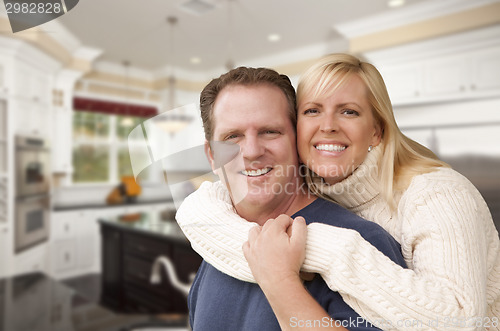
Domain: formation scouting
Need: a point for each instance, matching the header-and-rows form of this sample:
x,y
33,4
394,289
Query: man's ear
x,y
210,155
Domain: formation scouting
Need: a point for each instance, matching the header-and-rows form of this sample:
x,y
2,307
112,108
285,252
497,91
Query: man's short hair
x,y
247,77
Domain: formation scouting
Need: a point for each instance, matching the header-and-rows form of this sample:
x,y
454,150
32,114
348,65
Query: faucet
x,y
171,274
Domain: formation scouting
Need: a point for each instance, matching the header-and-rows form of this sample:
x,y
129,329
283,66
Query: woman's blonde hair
x,y
402,158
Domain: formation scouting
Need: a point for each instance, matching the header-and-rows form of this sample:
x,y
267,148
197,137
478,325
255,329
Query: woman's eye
x,y
350,112
311,111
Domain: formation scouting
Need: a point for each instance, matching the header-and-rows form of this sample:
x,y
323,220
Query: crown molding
x,y
28,53
451,44
406,15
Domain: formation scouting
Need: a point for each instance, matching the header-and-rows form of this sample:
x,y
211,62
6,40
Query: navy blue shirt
x,y
219,302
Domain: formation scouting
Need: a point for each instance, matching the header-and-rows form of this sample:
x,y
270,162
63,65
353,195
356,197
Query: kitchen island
x,y
130,245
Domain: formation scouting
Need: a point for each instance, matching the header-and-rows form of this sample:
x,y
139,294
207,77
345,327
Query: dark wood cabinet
x,y
128,256
111,289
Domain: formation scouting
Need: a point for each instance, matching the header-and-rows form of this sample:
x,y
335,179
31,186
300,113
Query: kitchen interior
x,y
100,140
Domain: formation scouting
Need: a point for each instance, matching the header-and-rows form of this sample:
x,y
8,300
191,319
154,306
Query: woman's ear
x,y
377,134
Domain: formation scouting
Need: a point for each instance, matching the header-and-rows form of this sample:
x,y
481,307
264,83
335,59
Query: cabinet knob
x,y
462,88
417,93
473,87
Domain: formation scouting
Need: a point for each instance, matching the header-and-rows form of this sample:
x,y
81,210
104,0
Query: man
x,y
255,109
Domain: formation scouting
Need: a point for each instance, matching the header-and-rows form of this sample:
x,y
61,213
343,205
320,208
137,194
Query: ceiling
x,y
137,30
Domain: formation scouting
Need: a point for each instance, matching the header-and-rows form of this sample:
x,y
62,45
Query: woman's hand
x,y
273,254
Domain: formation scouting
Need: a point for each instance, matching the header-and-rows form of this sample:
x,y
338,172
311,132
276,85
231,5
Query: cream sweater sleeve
x,y
445,290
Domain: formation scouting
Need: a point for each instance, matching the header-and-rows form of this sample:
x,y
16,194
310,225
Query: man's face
x,y
264,173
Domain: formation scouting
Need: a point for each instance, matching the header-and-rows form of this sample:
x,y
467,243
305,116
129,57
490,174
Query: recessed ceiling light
x,y
195,60
395,3
197,7
274,37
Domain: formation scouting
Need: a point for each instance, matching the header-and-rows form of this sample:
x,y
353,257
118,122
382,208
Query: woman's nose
x,y
328,124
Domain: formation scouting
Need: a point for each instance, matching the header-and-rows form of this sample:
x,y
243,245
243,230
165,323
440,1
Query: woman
x,y
357,156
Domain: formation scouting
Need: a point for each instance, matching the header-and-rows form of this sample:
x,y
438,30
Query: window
x,y
100,147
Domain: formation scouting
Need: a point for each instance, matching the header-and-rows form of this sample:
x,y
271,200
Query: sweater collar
x,y
360,187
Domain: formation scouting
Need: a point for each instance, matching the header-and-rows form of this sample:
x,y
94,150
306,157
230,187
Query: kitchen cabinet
x,y
458,76
3,199
74,243
127,260
4,241
62,138
32,260
31,118
485,71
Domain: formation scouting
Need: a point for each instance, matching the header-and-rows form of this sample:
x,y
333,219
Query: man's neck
x,y
291,204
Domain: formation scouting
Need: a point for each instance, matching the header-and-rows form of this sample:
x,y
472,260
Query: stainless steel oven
x,y
32,221
32,192
32,166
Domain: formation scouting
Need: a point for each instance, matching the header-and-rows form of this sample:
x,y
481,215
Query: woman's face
x,y
334,132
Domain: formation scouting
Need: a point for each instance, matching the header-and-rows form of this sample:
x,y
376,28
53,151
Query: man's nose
x,y
252,147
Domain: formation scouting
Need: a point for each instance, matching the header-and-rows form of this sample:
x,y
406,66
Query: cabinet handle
x,y
67,257
66,227
417,93
462,88
473,87
141,248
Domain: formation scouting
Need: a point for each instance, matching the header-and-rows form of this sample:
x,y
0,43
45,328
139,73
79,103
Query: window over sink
x,y
100,141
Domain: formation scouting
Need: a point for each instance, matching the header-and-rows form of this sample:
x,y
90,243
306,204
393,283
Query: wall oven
x,y
32,192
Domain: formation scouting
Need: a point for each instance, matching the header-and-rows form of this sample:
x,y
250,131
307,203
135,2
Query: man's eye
x,y
231,136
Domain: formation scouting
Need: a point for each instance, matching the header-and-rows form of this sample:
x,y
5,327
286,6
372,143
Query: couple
x,y
357,157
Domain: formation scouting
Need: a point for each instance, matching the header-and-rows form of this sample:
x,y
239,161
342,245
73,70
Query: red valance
x,y
113,108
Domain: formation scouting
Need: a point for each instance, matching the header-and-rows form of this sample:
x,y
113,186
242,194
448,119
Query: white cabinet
x,y
65,258
34,259
74,243
402,81
31,83
466,75
5,235
62,138
75,240
485,70
446,76
31,118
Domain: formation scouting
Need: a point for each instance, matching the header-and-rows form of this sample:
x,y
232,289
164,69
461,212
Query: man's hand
x,y
276,251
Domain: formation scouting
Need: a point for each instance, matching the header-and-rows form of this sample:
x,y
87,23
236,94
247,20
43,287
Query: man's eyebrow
x,y
227,132
278,127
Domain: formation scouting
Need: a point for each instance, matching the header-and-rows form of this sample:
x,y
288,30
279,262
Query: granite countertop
x,y
36,302
69,207
149,223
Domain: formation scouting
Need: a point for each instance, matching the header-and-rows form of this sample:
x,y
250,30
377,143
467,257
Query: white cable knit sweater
x,y
446,233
